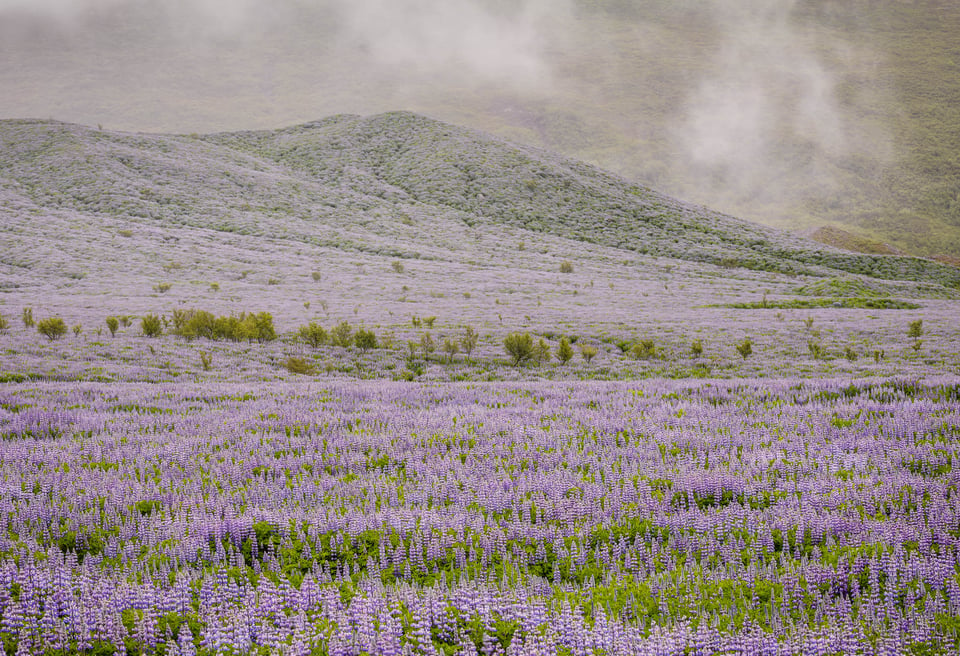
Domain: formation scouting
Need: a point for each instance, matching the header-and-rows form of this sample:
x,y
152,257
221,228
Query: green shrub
x,y
342,335
541,351
112,324
313,334
587,352
317,276
258,327
151,325
77,329
4,324
566,266
206,361
427,345
299,366
564,351
850,354
428,321
451,348
27,317
916,329
468,340
816,350
745,348
397,266
365,340
162,287
52,328
696,348
644,349
519,346
192,324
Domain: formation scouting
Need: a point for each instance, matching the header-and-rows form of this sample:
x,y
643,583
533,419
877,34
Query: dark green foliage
x,y
566,266
519,346
916,329
112,325
644,349
151,325
745,348
564,351
4,324
27,316
299,366
52,328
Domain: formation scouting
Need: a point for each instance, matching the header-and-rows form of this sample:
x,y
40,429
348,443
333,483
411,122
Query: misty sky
x,y
726,91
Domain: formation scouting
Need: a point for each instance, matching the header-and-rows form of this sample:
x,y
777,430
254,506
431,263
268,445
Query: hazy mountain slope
x,y
359,184
489,180
795,114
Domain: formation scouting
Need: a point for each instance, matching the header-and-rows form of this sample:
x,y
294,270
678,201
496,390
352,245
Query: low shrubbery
x,y
52,328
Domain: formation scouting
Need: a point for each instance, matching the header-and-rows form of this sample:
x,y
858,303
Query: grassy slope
x,y
345,181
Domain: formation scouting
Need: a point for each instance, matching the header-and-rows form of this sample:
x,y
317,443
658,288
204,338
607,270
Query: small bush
x,y
52,328
4,324
27,317
365,340
916,329
696,348
112,324
428,321
77,329
541,351
587,352
451,348
206,361
397,266
745,348
427,345
151,325
564,351
816,350
313,334
850,354
644,349
468,340
300,366
317,276
162,287
566,266
342,335
519,346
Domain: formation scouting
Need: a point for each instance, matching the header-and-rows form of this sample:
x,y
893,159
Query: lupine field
x,y
726,440
728,517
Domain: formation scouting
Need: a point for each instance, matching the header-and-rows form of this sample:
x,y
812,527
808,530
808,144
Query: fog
x,y
730,102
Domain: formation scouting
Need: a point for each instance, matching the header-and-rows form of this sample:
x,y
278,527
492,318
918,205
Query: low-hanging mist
x,y
793,112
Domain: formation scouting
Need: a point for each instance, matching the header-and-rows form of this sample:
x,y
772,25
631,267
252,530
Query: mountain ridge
x,y
340,181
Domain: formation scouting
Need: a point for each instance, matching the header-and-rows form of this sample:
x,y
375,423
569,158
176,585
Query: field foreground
x,y
654,517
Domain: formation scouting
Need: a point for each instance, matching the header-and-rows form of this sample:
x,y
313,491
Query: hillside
x,y
353,183
808,114
385,221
